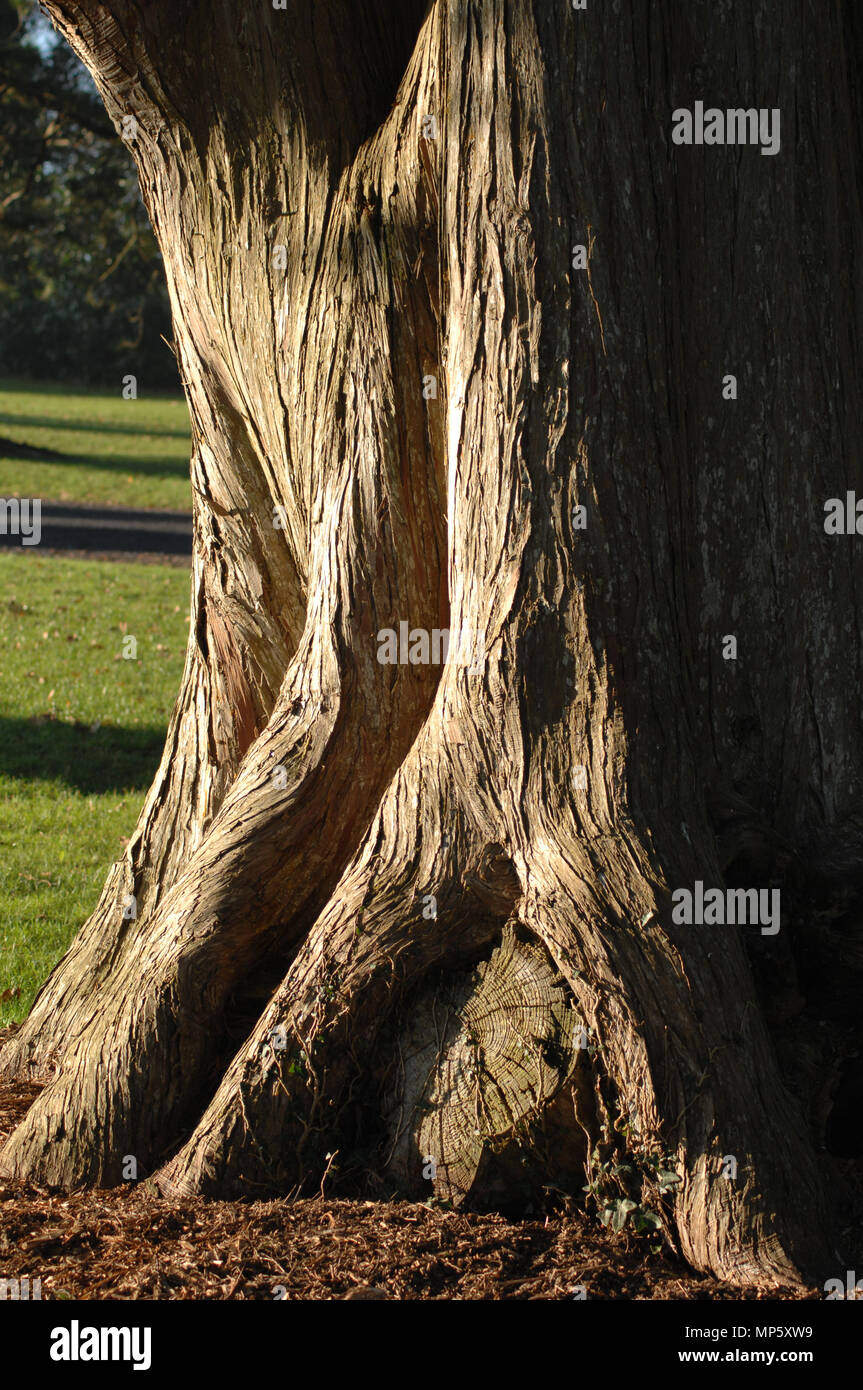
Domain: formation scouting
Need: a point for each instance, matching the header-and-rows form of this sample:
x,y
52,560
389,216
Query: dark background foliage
x,y
82,290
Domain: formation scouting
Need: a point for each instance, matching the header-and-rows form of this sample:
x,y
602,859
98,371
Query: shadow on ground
x,y
162,466
50,422
89,758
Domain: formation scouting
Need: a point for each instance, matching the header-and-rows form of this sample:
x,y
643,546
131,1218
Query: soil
x,y
131,1243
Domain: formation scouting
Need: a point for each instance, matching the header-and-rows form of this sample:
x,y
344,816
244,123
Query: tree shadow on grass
x,y
12,449
50,422
163,466
90,759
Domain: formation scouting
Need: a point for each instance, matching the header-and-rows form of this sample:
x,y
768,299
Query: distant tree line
x,y
82,290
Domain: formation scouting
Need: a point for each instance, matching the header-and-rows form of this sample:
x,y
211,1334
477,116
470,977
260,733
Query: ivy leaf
x,y
648,1221
620,1215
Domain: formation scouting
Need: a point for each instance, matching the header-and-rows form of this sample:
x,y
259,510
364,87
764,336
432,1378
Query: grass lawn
x,y
81,734
125,453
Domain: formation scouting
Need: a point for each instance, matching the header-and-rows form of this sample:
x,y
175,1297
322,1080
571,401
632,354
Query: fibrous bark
x,y
403,388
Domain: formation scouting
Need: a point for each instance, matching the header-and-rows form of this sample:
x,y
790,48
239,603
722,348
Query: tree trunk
x,y
422,914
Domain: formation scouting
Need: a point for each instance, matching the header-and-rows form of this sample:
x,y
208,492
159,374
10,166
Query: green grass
x,y
81,735
116,452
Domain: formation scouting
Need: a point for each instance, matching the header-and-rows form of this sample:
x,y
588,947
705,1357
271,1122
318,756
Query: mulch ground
x,y
126,1243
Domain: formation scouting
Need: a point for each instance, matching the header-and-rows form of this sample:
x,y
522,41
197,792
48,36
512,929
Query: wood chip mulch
x,y
129,1243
